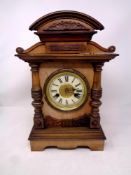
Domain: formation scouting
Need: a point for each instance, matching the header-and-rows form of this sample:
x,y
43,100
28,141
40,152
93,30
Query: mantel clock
x,y
66,68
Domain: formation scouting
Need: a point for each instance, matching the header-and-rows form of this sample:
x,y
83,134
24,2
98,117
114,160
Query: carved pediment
x,y
66,20
66,35
67,25
50,48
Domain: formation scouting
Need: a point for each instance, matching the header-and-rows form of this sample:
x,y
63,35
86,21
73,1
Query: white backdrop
x,y
16,112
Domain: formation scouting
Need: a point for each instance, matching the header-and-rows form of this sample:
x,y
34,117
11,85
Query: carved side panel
x,y
82,121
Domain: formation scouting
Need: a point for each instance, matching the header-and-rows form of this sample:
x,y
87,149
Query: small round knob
x,y
19,50
111,49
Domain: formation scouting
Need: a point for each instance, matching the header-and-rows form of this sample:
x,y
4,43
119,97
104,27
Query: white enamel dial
x,y
66,90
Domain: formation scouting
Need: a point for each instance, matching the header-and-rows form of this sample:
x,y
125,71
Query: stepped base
x,y
67,138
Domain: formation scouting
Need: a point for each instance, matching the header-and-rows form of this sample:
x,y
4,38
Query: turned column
x,y
36,92
96,93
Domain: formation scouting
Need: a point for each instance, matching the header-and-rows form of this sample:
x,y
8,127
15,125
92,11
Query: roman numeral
x,y
66,101
60,100
77,85
55,84
60,80
53,90
73,101
73,79
79,90
66,78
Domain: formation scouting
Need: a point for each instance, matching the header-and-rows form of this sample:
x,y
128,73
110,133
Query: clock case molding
x,y
65,38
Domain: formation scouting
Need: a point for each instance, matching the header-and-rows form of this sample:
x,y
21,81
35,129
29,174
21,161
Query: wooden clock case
x,y
65,43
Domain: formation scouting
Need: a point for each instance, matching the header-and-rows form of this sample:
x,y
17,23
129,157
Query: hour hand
x,y
77,95
56,95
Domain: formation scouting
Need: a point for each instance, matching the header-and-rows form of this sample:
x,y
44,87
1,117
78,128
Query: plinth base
x,y
67,138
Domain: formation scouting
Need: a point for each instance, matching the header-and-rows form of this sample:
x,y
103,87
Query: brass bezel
x,y
77,74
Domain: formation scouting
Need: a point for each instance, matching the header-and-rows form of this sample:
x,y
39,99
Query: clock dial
x,y
66,90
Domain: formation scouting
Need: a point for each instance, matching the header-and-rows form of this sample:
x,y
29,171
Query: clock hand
x,y
78,90
72,90
56,95
77,95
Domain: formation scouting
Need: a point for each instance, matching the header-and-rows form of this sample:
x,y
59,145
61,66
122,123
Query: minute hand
x,y
78,90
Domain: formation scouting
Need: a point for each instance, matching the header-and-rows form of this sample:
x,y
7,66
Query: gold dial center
x,y
66,90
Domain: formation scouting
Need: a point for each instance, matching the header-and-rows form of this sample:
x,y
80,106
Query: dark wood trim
x,y
37,96
66,57
65,35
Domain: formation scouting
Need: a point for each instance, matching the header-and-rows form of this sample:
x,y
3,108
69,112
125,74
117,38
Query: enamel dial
x,y
66,90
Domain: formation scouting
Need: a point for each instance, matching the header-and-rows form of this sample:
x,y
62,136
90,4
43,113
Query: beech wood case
x,y
65,43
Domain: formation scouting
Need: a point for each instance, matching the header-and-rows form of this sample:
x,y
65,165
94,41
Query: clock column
x,y
37,96
96,93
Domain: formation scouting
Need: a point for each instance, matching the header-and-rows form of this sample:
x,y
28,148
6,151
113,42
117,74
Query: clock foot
x,y
67,138
95,145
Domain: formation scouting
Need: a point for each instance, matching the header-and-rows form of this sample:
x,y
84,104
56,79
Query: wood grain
x,y
81,121
67,138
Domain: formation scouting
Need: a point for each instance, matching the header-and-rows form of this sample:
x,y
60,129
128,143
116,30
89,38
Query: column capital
x,y
98,66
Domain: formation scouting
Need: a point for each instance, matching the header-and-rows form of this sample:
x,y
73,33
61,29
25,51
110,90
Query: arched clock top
x,y
66,20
